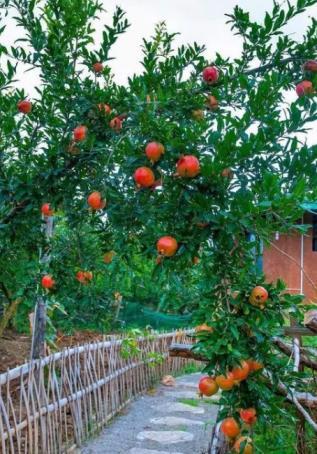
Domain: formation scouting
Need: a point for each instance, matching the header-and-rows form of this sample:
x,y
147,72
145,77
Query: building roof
x,y
309,206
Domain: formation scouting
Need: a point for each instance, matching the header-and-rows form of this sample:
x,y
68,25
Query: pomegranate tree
x,y
201,160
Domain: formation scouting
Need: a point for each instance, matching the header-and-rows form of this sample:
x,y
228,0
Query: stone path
x,y
169,420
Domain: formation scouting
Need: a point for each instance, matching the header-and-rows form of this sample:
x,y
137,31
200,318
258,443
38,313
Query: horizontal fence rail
x,y
51,405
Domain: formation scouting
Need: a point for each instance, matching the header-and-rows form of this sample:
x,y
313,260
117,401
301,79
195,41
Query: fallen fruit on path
x,y
230,427
240,373
243,441
144,177
95,201
154,151
46,209
167,246
80,133
47,281
304,88
188,166
207,386
97,67
258,296
24,106
105,108
108,257
212,102
225,382
168,380
248,415
210,74
310,65
116,124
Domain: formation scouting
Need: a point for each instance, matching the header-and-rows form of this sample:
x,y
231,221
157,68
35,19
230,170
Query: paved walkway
x,y
169,420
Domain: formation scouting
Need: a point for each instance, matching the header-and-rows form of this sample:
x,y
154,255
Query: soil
x,y
15,348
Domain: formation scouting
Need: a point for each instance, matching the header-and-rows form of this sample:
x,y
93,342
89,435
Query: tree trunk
x,y
38,341
39,328
8,314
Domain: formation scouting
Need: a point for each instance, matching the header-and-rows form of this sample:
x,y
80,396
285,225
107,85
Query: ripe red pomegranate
x,y
104,108
108,257
210,74
154,151
95,201
258,296
248,415
212,102
167,246
84,277
254,365
243,445
24,106
88,275
116,124
46,209
304,88
47,281
196,260
204,328
225,382
230,427
311,66
97,67
240,373
144,177
188,166
80,276
80,133
207,386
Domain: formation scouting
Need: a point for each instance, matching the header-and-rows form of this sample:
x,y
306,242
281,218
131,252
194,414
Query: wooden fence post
x,y
38,344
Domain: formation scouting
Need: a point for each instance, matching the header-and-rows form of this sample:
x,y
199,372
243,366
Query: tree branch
x,y
306,399
287,349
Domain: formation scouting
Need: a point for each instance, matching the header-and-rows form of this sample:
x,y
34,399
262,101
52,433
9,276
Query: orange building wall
x,y
278,265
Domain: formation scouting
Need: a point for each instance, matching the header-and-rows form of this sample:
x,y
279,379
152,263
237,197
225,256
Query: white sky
x,y
203,21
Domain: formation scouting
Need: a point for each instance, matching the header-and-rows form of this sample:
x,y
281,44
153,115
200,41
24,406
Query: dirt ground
x,y
15,348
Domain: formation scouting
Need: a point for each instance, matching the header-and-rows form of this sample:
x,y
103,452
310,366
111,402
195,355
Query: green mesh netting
x,y
138,316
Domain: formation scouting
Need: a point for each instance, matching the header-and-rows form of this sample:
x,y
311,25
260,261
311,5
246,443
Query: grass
x,y
280,436
191,402
310,341
196,402
190,368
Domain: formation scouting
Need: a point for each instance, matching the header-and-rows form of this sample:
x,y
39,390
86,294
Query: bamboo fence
x,y
53,404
